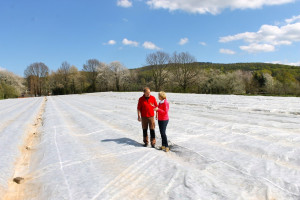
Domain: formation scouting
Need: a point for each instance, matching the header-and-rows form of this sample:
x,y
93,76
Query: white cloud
x,y
254,48
124,3
246,36
213,7
183,41
227,51
268,36
110,42
293,19
129,42
286,63
202,43
2,69
296,63
150,45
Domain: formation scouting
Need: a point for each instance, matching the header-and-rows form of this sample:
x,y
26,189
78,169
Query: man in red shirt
x,y
146,115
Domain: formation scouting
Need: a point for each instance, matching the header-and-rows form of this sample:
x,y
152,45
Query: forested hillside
x,y
217,78
179,72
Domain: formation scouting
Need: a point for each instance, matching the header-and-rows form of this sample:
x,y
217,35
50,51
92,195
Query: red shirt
x,y
163,109
145,107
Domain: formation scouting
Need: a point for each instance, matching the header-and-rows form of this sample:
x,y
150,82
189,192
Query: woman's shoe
x,y
167,149
162,148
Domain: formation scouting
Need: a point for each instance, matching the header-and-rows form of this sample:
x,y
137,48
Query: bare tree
x,y
36,75
159,63
183,68
119,73
91,69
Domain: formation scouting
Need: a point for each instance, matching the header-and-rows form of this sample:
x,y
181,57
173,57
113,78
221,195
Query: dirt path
x,y
17,185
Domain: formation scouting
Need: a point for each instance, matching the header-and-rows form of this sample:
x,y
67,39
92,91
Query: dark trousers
x,y
162,128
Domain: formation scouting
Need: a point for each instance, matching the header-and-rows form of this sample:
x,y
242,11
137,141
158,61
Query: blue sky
x,y
127,30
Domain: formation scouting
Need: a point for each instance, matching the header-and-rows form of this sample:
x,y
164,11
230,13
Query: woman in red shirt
x,y
163,118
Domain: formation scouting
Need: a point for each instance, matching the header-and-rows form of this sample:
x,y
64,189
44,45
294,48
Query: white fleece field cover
x,y
89,146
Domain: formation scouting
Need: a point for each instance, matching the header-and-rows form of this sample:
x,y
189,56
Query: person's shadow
x,y
127,141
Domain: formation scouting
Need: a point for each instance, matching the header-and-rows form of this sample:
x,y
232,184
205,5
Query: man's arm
x,y
139,115
139,110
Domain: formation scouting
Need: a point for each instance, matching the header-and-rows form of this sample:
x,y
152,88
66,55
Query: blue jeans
x,y
162,128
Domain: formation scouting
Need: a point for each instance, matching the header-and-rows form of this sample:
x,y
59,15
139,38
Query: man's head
x,y
146,91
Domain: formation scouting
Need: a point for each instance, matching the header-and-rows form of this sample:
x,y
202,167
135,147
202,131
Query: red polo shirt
x,y
145,107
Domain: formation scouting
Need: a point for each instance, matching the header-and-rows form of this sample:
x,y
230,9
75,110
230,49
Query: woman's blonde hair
x,y
162,94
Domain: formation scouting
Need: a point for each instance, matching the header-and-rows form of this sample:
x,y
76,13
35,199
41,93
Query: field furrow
x,y
223,147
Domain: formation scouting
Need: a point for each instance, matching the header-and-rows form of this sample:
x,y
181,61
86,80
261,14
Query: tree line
x,y
181,73
178,72
95,76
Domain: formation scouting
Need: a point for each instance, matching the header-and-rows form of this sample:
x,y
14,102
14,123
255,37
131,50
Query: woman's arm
x,y
164,109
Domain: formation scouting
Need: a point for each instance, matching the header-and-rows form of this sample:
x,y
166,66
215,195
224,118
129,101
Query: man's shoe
x,y
146,140
145,145
153,141
167,149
